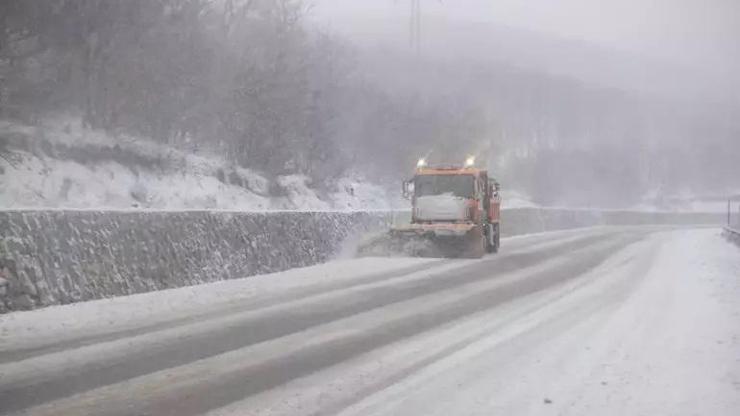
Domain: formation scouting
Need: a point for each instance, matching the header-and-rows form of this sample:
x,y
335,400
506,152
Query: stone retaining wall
x,y
59,257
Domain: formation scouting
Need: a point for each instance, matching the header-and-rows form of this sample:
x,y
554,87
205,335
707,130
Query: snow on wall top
x,y
60,164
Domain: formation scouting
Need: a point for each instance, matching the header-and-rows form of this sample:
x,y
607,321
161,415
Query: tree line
x,y
244,78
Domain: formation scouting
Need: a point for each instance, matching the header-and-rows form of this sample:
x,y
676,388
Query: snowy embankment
x,y
58,164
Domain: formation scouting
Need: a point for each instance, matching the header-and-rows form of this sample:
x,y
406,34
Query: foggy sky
x,y
698,36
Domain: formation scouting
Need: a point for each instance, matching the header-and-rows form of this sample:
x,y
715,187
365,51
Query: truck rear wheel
x,y
493,240
477,243
498,238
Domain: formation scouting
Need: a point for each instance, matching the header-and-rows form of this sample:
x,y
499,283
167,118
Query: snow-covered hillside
x,y
59,164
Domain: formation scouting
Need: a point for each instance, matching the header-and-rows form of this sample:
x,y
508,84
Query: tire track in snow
x,y
269,374
531,242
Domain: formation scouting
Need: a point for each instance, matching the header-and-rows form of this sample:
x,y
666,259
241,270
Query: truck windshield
x,y
457,185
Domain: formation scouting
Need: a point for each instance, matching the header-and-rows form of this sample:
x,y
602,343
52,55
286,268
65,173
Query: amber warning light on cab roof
x,y
469,162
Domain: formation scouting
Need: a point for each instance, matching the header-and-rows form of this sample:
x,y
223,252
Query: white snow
x,y
56,323
299,194
30,178
691,205
47,182
186,179
686,201
515,199
354,192
653,331
440,207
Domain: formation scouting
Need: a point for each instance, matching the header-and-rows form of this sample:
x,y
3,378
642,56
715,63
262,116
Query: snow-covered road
x,y
598,321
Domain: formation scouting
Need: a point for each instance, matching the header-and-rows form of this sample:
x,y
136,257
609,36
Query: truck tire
x,y
490,243
492,239
477,243
498,238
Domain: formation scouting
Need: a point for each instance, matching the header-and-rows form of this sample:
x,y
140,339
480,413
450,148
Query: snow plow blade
x,y
449,240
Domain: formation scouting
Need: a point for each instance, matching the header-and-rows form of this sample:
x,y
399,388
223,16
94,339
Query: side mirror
x,y
408,189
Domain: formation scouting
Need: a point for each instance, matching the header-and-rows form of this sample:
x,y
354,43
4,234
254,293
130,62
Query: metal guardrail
x,y
733,224
731,230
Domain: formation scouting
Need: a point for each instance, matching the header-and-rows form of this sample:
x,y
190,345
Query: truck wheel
x,y
493,239
477,244
498,239
490,243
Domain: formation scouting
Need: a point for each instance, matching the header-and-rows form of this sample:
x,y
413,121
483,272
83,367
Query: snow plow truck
x,y
455,213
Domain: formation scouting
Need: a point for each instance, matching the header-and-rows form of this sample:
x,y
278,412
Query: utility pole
x,y
415,26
